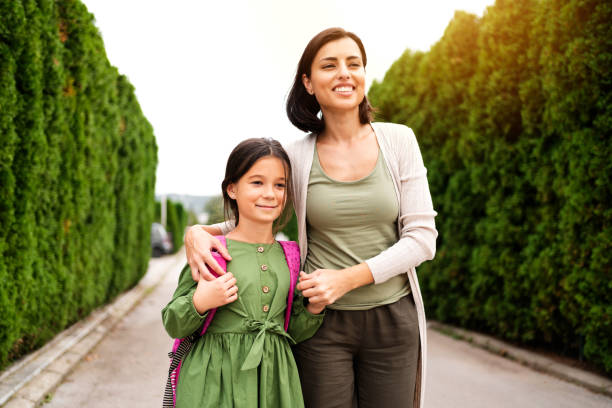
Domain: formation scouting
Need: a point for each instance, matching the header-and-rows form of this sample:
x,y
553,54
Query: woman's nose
x,y
343,71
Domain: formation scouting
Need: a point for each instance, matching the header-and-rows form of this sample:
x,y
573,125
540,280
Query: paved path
x,y
128,368
461,375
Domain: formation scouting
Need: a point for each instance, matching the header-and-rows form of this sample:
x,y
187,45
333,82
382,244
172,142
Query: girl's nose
x,y
268,191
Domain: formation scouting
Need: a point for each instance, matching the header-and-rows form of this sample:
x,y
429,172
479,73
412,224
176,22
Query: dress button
x,y
265,289
266,308
260,249
264,267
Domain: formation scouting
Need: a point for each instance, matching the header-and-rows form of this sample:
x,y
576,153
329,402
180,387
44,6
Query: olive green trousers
x,y
363,358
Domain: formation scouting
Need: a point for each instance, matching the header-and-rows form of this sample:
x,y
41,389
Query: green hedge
x,y
513,112
77,174
176,221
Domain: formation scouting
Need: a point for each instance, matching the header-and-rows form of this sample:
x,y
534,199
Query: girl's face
x,y
261,192
337,77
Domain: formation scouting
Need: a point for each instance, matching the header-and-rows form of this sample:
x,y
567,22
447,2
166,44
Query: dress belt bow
x,y
253,358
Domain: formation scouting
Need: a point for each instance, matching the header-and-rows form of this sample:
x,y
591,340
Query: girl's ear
x,y
307,84
231,191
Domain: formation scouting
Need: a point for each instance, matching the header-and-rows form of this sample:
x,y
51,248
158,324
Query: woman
x,y
365,220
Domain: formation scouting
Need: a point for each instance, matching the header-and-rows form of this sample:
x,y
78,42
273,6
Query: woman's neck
x,y
343,126
252,232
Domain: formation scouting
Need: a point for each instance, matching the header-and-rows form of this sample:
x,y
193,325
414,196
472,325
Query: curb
x,y
28,382
538,362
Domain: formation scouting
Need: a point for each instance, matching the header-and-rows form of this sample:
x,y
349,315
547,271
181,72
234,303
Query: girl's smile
x,y
267,207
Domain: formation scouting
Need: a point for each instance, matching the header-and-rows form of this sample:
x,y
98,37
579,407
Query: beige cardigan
x,y
415,221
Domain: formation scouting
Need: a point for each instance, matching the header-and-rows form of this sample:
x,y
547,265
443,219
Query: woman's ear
x,y
307,84
231,191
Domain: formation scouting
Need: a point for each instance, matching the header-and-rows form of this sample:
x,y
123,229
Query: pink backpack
x,y
182,346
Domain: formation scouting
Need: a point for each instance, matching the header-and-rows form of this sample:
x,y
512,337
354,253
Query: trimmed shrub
x,y
176,222
77,174
513,112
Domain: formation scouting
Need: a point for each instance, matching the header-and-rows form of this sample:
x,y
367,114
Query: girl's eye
x,y
355,65
280,185
328,66
256,182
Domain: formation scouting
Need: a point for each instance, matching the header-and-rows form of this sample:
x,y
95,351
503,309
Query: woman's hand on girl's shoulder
x,y
198,247
215,293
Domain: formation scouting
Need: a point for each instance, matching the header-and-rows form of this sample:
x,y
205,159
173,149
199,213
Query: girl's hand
x,y
198,246
324,286
218,292
315,308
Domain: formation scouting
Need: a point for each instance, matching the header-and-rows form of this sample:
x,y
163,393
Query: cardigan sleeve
x,y
417,230
226,226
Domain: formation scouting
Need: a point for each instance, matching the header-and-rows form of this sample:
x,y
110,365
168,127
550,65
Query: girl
x,y
365,221
244,358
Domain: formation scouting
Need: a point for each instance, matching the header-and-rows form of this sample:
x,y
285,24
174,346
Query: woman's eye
x,y
256,182
328,66
280,185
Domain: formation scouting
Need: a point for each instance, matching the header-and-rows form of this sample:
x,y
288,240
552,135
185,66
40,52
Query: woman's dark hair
x,y
240,160
303,108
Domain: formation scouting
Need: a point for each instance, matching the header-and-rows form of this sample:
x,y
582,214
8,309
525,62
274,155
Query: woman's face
x,y
337,77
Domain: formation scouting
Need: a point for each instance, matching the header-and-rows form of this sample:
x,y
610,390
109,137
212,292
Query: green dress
x,y
244,359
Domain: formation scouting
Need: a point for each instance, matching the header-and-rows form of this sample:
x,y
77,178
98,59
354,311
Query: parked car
x,y
161,244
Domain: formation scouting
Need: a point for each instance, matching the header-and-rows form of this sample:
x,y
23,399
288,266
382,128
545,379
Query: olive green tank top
x,y
349,222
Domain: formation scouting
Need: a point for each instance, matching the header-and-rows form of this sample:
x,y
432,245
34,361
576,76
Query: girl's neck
x,y
252,233
343,127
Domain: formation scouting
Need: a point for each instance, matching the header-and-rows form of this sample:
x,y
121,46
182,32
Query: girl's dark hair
x,y
240,160
303,108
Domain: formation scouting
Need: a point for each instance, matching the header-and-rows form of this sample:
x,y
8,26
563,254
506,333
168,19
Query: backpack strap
x,y
223,264
292,256
182,346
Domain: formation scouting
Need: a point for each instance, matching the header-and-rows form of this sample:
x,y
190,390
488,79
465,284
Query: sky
x,y
209,74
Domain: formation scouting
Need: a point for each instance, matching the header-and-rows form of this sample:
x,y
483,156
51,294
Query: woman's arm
x,y
417,241
199,242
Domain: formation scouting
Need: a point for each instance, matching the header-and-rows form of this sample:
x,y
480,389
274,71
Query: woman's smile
x,y
344,89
